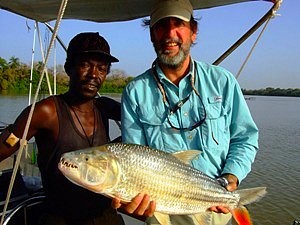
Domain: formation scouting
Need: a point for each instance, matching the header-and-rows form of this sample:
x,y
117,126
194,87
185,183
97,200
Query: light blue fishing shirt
x,y
228,138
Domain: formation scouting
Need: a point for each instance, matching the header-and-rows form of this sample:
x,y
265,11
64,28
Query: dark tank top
x,y
63,197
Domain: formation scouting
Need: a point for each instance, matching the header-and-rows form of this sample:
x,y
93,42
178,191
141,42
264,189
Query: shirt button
x,y
190,136
185,113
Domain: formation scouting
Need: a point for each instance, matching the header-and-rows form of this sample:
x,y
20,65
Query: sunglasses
x,y
179,104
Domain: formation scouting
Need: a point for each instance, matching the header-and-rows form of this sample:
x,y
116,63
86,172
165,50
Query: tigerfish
x,y
125,170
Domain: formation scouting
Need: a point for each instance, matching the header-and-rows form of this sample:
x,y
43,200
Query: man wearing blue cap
x,y
180,103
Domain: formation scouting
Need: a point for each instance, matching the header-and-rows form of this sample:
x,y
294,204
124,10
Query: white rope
x,y
273,15
22,142
44,71
32,60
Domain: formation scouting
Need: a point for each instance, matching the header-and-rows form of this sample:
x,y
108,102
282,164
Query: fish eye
x,y
86,158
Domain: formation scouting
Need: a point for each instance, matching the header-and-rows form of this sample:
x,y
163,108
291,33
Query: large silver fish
x,y
124,170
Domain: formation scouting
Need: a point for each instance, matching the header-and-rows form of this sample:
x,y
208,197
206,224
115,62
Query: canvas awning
x,y
96,10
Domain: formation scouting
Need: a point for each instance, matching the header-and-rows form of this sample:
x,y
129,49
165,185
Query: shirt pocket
x,y
153,120
214,131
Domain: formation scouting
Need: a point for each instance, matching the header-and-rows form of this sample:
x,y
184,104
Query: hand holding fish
x,y
139,206
232,186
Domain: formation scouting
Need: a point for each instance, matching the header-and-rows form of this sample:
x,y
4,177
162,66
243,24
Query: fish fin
x,y
187,156
251,195
241,216
163,219
202,218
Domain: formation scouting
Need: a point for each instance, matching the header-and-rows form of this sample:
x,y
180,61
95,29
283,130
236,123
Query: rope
x,y
259,36
269,14
22,142
250,52
32,60
44,71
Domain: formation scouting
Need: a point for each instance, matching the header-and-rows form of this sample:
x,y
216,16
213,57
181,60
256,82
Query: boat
x,y
20,204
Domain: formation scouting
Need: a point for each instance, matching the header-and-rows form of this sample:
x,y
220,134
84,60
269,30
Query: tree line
x,y
269,91
15,79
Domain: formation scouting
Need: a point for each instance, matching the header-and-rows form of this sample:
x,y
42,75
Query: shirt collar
x,y
162,76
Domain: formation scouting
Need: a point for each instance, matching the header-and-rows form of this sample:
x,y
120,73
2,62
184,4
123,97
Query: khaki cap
x,y
181,9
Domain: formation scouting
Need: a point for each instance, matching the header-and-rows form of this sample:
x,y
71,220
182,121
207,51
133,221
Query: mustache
x,y
95,82
168,40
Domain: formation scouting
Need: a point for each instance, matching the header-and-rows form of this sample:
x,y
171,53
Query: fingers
x,y
138,205
151,209
141,205
116,203
219,209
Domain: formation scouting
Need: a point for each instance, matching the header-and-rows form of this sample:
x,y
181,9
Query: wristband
x,y
223,181
12,140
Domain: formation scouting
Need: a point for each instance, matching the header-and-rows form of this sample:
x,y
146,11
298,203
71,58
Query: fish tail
x,y
241,216
251,195
247,196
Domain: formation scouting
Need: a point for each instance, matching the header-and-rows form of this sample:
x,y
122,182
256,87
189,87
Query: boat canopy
x,y
97,10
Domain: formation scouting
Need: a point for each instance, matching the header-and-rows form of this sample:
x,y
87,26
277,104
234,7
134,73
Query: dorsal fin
x,y
187,156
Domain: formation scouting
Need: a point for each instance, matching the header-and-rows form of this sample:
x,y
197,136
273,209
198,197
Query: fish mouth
x,y
64,163
80,174
69,170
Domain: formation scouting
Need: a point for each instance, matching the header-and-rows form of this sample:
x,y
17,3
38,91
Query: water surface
x,y
277,163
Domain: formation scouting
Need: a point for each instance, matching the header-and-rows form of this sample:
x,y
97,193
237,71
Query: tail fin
x,y
247,196
251,195
241,216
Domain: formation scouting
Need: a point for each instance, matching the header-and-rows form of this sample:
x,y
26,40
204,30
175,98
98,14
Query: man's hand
x,y
232,186
140,206
232,182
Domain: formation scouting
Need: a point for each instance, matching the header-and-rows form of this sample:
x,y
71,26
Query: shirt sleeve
x,y
131,127
243,144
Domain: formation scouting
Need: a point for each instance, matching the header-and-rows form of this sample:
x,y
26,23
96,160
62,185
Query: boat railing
x,y
26,212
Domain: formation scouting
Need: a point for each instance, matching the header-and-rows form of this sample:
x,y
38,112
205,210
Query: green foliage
x,y
3,64
15,79
274,92
115,82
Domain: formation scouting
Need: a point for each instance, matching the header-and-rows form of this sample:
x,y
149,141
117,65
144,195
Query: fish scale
x,y
176,186
125,170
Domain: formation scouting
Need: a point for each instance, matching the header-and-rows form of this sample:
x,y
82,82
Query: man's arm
x,y
44,117
10,138
243,138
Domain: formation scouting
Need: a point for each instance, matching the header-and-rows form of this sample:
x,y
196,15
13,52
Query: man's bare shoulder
x,y
45,112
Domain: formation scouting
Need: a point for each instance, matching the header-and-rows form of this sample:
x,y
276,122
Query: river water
x,y
277,163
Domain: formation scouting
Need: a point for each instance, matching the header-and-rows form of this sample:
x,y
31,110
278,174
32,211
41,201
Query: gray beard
x,y
172,61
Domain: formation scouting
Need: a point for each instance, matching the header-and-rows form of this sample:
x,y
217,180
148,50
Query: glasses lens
x,y
174,121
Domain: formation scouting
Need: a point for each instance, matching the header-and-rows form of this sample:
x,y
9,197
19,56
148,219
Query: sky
x,y
273,63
